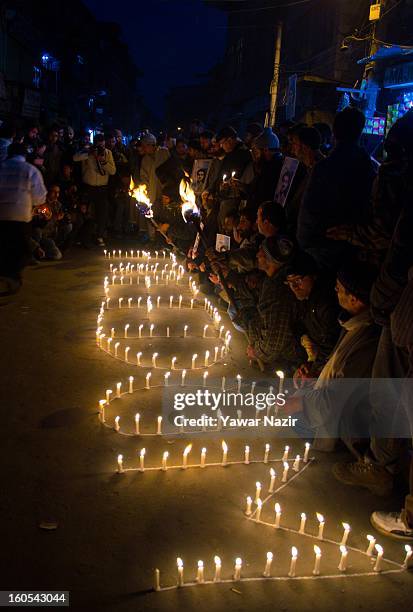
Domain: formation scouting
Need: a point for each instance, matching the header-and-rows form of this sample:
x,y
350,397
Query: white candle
x,y
154,356
408,556
109,344
137,421
117,344
307,450
267,570
223,383
342,566
107,303
277,509
180,301
205,331
117,426
266,453
285,472
204,376
280,375
296,464
302,523
285,455
183,378
257,491
120,302
203,457
130,301
118,388
224,452
151,328
164,461
147,379
206,359
108,394
180,565
294,555
173,361
102,410
380,551
200,574
139,299
346,528
159,426
138,358
194,356
248,510
120,464
127,349
192,303
140,330
131,384
237,569
167,332
321,524
317,561
218,564
112,332
185,454
221,331
158,300
258,512
216,349
247,455
166,378
371,545
142,460
171,299
272,481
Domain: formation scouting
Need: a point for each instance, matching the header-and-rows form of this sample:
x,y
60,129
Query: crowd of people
x,y
304,237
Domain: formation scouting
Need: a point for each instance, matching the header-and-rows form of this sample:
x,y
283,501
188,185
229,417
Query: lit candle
x,y
117,344
130,384
138,358
253,385
307,450
139,299
280,375
120,302
224,452
216,349
377,565
266,453
277,509
408,556
185,454
112,332
200,574
117,426
233,173
237,569
167,332
140,330
204,376
148,378
296,464
194,356
248,510
107,303
218,564
158,300
154,356
166,378
118,388
221,330
151,328
285,472
108,394
130,301
267,570
183,378
346,528
223,384
294,555
342,566
317,561
102,410
203,457
285,455
205,331
257,491
371,545
142,460
127,349
171,299
159,426
247,455
272,481
137,421
192,303
164,461
173,361
224,178
180,565
302,523
258,512
321,523
206,359
120,464
180,301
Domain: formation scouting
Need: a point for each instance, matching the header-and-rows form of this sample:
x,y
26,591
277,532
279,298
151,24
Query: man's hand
x,y
214,279
251,352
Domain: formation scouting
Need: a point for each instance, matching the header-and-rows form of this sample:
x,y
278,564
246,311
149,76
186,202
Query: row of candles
x,y
132,253
154,363
224,462
236,576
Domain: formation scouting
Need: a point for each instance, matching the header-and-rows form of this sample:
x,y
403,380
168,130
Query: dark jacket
x,y
262,188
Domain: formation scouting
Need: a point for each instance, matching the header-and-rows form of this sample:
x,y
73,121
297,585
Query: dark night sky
x,y
170,40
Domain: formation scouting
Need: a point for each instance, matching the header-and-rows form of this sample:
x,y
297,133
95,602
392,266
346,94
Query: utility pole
x,y
372,88
276,76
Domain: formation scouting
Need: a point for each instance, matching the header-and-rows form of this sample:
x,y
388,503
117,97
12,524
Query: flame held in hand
x,y
140,194
189,207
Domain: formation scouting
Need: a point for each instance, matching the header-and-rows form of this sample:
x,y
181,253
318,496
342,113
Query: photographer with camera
x,y
97,167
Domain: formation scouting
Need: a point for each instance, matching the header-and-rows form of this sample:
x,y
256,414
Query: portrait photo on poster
x,y
200,175
287,174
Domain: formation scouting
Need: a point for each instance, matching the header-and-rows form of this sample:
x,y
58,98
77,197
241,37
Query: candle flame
x,y
259,503
187,449
140,194
277,508
272,472
379,549
294,552
238,562
317,550
120,458
286,465
269,556
143,451
303,515
320,517
179,562
371,538
217,561
188,199
346,526
258,485
343,549
166,455
408,548
280,373
224,446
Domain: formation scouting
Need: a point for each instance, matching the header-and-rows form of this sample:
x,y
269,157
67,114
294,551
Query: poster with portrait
x,y
200,174
287,174
222,243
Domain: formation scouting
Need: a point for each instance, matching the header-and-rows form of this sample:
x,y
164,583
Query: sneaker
x,y
391,524
369,475
100,242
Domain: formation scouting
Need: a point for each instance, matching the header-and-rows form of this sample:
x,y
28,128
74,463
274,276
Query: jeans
x,y
98,198
48,245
